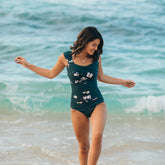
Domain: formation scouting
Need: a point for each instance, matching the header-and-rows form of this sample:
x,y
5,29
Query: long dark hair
x,y
87,35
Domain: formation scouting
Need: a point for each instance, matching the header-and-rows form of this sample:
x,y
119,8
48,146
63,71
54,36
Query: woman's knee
x,y
97,139
84,148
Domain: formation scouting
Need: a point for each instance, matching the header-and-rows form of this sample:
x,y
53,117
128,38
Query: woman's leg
x,y
98,120
81,128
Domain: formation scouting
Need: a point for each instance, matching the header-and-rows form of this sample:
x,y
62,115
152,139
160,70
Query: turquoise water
x,y
40,31
35,124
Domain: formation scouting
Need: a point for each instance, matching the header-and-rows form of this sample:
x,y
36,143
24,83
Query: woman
x,y
84,68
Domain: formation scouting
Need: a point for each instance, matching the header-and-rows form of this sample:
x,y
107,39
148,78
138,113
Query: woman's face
x,y
92,46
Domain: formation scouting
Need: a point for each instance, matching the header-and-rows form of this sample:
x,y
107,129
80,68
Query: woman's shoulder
x,y
67,54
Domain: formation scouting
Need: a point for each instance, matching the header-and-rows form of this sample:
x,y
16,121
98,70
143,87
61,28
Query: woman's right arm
x,y
58,67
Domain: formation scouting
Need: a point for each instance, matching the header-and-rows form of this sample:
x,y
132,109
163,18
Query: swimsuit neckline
x,y
82,65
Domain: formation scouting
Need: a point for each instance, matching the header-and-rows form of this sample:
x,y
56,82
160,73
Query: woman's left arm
x,y
111,80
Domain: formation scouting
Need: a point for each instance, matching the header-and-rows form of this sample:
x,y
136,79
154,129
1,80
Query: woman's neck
x,y
82,55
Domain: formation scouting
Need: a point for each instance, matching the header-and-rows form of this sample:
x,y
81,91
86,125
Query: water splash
x,y
151,104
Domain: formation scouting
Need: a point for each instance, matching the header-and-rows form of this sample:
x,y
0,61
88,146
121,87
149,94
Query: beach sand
x,y
47,138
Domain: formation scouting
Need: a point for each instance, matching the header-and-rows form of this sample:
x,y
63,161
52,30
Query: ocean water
x,y
35,124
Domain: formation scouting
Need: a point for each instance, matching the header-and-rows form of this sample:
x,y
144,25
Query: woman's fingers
x,y
129,83
21,60
18,58
132,84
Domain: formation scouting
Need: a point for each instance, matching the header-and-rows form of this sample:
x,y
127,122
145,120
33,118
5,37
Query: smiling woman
x,y
84,68
92,40
91,49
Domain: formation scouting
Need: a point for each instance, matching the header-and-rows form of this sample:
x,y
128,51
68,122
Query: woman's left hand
x,y
128,83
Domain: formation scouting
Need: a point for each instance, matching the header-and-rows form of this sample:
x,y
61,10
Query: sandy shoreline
x,y
46,139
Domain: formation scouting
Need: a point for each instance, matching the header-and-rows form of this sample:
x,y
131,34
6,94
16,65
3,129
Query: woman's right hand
x,y
22,61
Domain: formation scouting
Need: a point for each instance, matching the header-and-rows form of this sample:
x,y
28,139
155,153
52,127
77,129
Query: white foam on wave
x,y
153,104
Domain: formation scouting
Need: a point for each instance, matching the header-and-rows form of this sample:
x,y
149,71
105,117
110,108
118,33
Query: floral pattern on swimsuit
x,y
85,92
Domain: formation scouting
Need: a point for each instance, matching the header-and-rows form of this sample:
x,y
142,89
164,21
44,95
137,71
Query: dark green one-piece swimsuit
x,y
85,92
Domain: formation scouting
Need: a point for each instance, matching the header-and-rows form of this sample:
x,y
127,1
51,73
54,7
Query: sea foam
x,y
153,104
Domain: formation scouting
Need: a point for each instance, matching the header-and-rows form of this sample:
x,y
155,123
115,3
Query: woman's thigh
x,y
98,119
81,126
